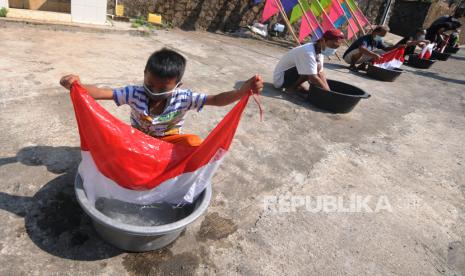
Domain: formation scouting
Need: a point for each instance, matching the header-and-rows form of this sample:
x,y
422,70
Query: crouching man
x,y
305,63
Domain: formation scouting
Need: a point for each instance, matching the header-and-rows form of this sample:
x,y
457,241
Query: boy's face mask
x,y
156,96
378,38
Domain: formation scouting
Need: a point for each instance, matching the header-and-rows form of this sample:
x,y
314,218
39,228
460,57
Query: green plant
x,y
3,12
150,26
138,22
135,25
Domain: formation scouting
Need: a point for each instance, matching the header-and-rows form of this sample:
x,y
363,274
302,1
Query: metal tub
x,y
140,238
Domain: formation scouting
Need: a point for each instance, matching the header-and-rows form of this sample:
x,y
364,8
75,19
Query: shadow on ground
x,y
54,221
457,57
436,76
271,92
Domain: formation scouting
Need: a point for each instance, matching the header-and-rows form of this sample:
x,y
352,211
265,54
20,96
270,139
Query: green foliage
x,y
140,21
150,26
3,12
135,25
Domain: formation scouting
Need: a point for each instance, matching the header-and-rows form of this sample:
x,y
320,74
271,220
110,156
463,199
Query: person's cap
x,y
333,35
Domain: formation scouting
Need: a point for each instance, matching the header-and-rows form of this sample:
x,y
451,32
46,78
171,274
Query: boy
x,y
159,106
411,42
367,48
454,38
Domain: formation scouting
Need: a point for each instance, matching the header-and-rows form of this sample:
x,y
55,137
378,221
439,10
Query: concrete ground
x,y
403,148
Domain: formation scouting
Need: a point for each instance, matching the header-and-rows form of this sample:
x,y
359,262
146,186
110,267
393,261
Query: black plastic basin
x,y
451,50
383,74
342,98
440,56
417,62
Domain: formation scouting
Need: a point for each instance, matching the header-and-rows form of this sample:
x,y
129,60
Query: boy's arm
x,y
94,92
369,53
255,84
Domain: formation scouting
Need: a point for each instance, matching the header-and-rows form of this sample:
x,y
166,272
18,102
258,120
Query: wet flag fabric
x,y
120,162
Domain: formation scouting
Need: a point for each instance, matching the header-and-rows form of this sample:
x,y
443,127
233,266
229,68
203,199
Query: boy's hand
x,y
67,80
375,56
255,84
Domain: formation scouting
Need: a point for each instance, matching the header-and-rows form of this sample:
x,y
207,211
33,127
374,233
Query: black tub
x,y
440,56
383,74
341,99
417,62
451,50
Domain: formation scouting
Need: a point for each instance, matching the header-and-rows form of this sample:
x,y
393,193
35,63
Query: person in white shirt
x,y
305,63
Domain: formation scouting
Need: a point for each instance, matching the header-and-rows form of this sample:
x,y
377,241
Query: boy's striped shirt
x,y
172,118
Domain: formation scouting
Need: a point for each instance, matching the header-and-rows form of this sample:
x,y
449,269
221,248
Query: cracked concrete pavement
x,y
404,144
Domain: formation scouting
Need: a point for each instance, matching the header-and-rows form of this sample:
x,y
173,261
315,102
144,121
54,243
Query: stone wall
x,y
214,15
439,8
407,16
197,14
374,9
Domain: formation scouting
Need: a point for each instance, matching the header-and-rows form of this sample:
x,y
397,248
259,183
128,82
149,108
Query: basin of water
x,y
139,228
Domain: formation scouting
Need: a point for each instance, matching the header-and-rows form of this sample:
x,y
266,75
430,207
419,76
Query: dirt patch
x,y
214,227
20,231
161,262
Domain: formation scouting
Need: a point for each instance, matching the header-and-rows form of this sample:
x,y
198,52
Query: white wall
x,y
88,11
4,3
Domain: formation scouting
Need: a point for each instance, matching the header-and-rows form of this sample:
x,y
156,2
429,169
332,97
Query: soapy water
x,y
142,215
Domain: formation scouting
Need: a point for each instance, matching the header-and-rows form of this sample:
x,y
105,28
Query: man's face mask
x,y
156,96
328,51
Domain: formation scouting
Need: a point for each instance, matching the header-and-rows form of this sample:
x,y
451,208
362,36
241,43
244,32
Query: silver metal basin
x,y
135,238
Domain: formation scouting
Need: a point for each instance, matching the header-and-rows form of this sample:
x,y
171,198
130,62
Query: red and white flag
x,y
392,59
427,51
120,162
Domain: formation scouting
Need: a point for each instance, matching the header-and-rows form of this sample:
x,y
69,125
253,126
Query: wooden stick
x,y
308,20
369,23
354,16
323,10
348,24
286,20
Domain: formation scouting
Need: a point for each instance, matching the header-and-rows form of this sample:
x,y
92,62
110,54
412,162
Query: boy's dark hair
x,y
381,28
166,63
